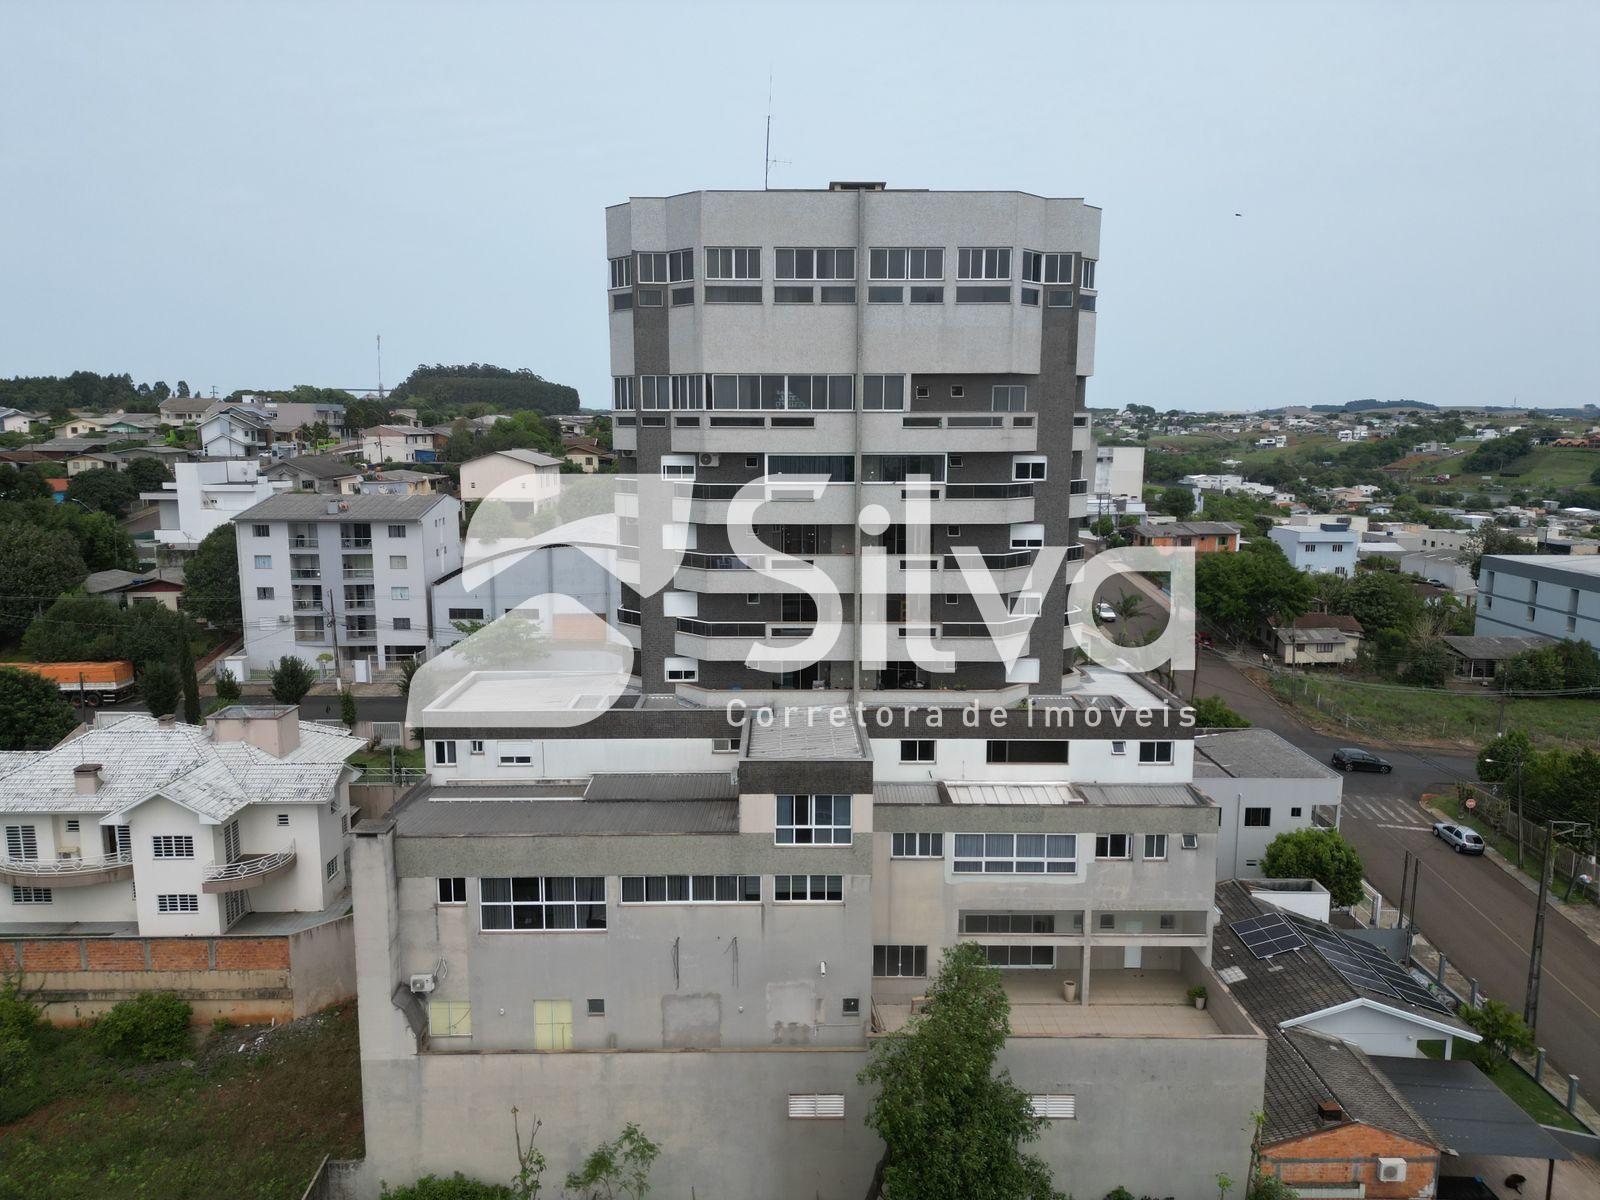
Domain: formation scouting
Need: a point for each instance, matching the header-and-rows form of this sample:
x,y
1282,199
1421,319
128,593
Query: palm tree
x,y
1127,608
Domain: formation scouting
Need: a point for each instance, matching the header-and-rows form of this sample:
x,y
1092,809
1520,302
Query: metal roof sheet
x,y
1010,794
1258,754
682,785
312,506
461,815
805,733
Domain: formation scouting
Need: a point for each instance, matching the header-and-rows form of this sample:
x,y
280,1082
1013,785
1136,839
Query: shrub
x,y
291,680
147,1028
457,1187
227,687
1212,712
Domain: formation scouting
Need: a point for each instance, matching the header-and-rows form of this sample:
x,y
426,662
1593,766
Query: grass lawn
x,y
1467,718
1506,844
250,1125
1519,1085
378,760
1547,467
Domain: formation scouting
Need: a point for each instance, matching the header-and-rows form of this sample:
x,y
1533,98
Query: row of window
x,y
397,562
838,263
785,393
1020,750
262,530
567,902
846,293
167,903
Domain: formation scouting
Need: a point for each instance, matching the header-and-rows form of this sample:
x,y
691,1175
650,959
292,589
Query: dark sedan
x,y
1351,758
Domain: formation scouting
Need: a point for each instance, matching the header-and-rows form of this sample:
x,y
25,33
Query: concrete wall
x,y
245,979
1290,804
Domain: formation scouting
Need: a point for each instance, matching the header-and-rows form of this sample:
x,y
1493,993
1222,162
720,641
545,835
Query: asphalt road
x,y
1477,913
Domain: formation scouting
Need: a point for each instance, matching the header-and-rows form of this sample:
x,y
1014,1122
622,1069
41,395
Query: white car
x,y
1105,612
1458,837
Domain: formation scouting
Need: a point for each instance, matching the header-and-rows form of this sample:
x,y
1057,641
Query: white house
x,y
397,443
204,496
540,474
150,826
13,420
1264,786
1324,548
343,576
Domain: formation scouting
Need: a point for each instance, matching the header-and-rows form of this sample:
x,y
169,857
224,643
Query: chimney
x,y
274,728
166,721
333,508
86,779
1330,1110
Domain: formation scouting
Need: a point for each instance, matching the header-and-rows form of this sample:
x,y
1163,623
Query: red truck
x,y
95,683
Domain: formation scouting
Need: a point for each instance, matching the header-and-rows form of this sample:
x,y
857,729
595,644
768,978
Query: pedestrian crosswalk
x,y
1385,813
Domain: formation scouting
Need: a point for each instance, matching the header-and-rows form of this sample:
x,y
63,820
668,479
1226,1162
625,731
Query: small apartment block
x,y
665,918
348,577
1326,548
1533,595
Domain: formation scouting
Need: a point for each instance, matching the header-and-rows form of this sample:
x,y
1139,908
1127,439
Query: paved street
x,y
1470,908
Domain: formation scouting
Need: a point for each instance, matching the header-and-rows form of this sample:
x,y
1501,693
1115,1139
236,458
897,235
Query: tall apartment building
x,y
346,576
873,337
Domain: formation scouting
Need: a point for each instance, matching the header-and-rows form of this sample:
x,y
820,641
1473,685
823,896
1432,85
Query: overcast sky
x,y
243,196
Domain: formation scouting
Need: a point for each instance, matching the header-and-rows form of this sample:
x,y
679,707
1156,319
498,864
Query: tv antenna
x,y
768,162
380,366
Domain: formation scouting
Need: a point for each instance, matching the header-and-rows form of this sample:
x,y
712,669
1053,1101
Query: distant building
x,y
400,482
1205,537
327,474
588,456
184,410
1263,786
202,497
397,443
1319,639
163,586
1539,595
1328,547
1442,568
14,420
235,431
482,475
1118,486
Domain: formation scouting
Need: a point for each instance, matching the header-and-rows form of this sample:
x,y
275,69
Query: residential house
x,y
147,825
326,474
1263,786
398,482
202,497
1327,547
1319,639
161,585
397,443
540,472
587,455
1442,569
233,430
184,410
1206,537
1539,595
343,579
14,420
1478,657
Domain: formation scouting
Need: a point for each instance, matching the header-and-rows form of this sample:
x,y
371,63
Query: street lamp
x,y
1530,1003
1515,765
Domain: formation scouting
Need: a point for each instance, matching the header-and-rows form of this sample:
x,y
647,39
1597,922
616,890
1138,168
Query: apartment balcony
x,y
251,870
627,622
730,574
307,606
65,872
790,504
355,543
1082,436
915,433
367,605
350,573
980,503
356,630
1009,569
305,573
742,432
303,543
732,641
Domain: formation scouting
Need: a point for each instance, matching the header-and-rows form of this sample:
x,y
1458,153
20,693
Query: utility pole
x,y
1519,814
1530,1003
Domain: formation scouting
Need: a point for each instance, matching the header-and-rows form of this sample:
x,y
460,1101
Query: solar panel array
x,y
1267,935
1363,965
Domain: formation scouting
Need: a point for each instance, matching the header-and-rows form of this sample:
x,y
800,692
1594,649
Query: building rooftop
x,y
1142,795
139,758
677,785
1312,636
470,809
1495,649
825,732
532,457
1188,529
118,580
1257,754
1340,621
1578,564
309,506
1008,794
318,466
1306,1068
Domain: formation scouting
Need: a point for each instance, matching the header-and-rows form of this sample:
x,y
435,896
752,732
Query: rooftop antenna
x,y
380,366
768,161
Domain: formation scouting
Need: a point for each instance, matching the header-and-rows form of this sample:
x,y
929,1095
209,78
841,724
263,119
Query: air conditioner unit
x,y
285,619
421,985
710,460
1391,1170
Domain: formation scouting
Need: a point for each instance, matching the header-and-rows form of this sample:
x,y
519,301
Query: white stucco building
x,y
203,496
1326,548
150,826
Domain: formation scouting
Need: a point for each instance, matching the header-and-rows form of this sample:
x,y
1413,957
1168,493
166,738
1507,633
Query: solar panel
x,y
1267,935
1363,965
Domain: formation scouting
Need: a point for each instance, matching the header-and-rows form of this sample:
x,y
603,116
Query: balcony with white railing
x,y
248,871
65,872
729,573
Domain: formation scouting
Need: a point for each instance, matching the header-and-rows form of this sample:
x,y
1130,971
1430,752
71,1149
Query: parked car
x,y
1202,641
1353,758
1105,612
1459,837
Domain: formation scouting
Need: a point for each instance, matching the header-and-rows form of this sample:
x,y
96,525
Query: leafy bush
x,y
1320,854
291,680
1212,712
457,1187
227,687
147,1028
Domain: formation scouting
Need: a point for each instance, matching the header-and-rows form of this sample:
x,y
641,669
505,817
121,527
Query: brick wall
x,y
245,979
1349,1153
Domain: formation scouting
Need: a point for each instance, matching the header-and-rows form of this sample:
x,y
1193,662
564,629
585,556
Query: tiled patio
x,y
1124,1004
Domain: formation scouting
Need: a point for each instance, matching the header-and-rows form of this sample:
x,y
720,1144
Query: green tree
x,y
1247,591
1320,854
292,678
456,1187
162,687
148,474
952,1126
1176,501
347,708
36,565
227,687
34,715
619,1168
153,632
190,681
1502,1030
1500,757
1212,712
75,629
1489,538
1382,602
1430,664
1536,670
104,491
211,579
1103,527
22,483
183,389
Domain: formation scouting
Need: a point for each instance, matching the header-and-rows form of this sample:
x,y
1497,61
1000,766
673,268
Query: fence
x,y
1575,873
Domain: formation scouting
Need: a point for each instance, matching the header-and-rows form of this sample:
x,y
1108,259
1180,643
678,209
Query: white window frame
x,y
1119,747
1256,808
1156,758
1106,853
1154,848
1189,841
803,827
813,255
172,845
741,263
1030,468
910,844
446,884
913,264
177,903
1053,263
647,271
457,1018
997,858
680,266
827,886
690,889
263,562
621,272
989,263
816,1106
894,957
543,904
922,750
444,753
22,842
